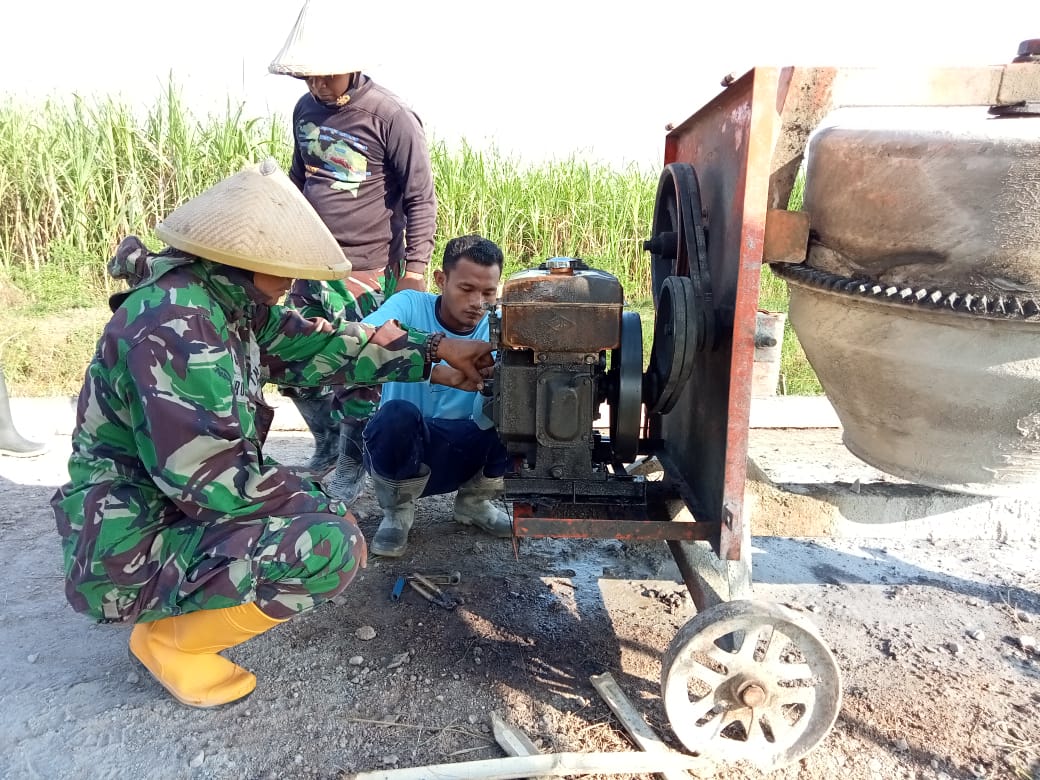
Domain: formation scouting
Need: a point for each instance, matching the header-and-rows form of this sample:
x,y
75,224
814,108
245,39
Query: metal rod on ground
x,y
552,764
637,728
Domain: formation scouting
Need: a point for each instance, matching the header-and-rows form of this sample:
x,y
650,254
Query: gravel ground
x,y
933,640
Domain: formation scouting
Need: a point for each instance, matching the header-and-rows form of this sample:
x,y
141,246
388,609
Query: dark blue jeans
x,y
398,439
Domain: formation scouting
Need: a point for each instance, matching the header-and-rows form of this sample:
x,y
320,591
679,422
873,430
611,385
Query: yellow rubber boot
x,y
181,653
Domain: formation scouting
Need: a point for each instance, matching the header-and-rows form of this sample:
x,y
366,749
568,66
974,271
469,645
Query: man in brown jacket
x,y
360,158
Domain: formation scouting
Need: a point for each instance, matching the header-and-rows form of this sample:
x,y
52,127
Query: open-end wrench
x,y
453,578
432,593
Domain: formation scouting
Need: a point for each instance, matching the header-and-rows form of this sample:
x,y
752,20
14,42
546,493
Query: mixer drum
x,y
918,304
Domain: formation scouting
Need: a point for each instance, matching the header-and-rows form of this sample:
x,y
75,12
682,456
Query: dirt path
x,y
927,635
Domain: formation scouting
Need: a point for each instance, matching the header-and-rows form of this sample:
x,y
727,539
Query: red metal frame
x,y
730,143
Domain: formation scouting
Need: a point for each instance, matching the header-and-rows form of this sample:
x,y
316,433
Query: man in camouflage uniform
x,y
336,416
173,518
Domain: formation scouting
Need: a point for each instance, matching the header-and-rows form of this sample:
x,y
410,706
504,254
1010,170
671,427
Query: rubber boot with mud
x,y
12,442
397,500
317,413
181,653
473,505
348,480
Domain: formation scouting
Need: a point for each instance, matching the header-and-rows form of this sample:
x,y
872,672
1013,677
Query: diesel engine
x,y
565,347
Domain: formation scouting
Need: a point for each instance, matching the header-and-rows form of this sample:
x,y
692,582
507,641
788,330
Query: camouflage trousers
x,y
286,565
365,292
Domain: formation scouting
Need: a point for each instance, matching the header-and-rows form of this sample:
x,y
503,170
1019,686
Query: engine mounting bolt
x,y
753,695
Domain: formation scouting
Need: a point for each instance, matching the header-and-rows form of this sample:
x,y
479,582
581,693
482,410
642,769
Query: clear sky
x,y
539,79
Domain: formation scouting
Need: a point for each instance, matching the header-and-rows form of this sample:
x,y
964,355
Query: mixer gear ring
x,y
996,306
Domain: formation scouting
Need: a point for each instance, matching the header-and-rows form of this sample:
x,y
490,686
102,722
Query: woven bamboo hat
x,y
258,220
312,49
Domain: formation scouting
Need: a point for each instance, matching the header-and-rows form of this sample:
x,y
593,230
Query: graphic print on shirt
x,y
338,153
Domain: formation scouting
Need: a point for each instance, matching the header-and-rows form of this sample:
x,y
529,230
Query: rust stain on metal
x,y
635,530
528,523
786,237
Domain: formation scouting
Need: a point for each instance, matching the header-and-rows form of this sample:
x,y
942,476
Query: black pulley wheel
x,y
625,399
678,244
677,336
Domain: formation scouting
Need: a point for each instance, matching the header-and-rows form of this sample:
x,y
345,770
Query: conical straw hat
x,y
258,220
314,49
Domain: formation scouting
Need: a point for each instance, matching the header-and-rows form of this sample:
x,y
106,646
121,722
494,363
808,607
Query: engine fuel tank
x,y
562,306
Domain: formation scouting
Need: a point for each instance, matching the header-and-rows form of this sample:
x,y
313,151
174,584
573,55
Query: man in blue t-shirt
x,y
425,440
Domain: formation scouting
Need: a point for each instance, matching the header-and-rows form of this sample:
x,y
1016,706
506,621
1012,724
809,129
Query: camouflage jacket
x,y
171,418
328,300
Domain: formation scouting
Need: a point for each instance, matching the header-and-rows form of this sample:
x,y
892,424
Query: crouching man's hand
x,y
452,377
467,357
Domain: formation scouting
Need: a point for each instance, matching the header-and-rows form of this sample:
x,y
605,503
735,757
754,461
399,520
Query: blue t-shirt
x,y
419,310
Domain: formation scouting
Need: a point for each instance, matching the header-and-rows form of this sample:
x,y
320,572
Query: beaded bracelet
x,y
432,345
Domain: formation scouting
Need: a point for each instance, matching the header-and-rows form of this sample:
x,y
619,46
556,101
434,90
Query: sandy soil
x,y
928,636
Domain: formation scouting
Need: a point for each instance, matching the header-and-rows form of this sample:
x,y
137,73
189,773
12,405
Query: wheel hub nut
x,y
753,695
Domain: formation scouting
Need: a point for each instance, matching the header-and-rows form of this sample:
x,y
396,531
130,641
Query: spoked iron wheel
x,y
750,681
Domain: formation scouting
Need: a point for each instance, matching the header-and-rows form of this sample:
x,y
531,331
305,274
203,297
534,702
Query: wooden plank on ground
x,y
637,728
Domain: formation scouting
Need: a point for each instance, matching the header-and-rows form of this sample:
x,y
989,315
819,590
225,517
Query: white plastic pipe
x,y
552,764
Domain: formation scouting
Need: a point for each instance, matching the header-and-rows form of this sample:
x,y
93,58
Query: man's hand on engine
x,y
452,377
468,356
